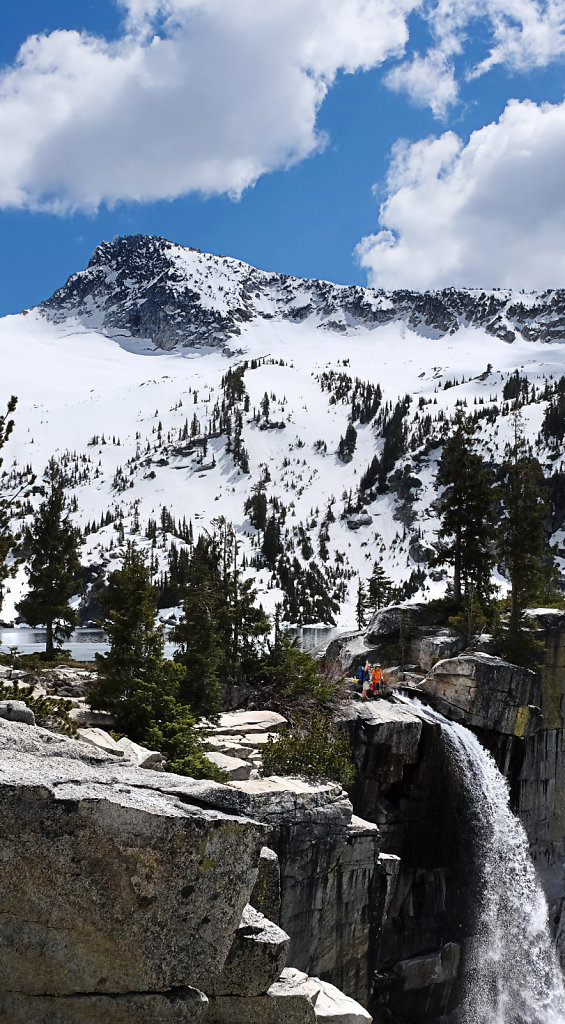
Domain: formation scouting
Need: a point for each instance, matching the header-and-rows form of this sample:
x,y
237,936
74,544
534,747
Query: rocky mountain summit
x,y
153,289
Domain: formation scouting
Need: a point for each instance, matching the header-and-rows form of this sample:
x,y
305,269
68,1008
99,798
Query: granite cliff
x,y
133,895
407,785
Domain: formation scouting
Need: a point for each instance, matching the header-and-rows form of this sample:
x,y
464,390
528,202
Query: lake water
x,y
85,643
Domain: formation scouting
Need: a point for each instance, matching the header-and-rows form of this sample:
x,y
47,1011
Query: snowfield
x,y
114,407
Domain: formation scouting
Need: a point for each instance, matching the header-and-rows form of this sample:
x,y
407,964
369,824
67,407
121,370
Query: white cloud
x,y
428,81
520,35
489,213
224,93
208,95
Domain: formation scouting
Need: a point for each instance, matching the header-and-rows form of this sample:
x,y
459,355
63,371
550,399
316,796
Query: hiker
x,y
376,680
360,676
366,680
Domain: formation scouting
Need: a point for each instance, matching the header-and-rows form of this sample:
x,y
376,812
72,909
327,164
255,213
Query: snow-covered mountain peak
x,y
258,398
177,297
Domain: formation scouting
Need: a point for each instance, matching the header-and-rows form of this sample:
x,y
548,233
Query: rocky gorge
x,y
129,894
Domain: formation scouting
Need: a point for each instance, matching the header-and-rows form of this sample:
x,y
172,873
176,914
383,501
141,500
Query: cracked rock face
x,y
129,886
256,959
179,1006
485,692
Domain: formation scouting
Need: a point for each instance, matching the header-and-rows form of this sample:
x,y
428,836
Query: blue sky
x,y
364,141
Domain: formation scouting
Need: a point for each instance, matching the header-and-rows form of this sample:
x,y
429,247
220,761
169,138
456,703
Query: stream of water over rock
x,y
512,973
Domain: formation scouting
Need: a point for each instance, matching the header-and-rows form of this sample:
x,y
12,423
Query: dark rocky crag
x,y
149,288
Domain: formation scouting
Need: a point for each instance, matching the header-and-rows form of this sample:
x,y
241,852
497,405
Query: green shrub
x,y
316,750
50,712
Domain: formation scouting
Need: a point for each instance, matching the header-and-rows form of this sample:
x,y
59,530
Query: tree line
x,y
494,517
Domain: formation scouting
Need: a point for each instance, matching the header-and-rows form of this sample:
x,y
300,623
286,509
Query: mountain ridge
x,y
116,292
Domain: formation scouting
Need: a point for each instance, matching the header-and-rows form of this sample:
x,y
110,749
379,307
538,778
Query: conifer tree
x,y
467,516
135,664
222,629
52,542
380,588
523,547
198,633
6,535
361,605
135,682
347,444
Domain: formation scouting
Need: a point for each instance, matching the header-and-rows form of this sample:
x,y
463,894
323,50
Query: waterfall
x,y
512,970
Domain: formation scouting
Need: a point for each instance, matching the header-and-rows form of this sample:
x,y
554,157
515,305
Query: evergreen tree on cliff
x,y
465,508
6,535
52,542
222,629
523,547
380,588
198,632
135,682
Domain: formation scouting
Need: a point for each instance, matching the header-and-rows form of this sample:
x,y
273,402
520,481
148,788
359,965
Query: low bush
x,y
317,750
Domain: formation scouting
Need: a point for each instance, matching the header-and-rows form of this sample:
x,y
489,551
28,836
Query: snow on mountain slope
x,y
120,372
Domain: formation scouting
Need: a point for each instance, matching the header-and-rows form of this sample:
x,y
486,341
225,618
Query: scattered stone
x,y
141,756
426,971
241,722
101,739
260,739
16,711
444,644
85,717
234,767
229,745
333,1007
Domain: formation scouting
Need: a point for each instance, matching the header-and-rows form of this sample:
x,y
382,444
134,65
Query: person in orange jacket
x,y
376,680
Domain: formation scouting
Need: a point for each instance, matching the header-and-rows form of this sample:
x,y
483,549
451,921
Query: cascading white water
x,y
513,974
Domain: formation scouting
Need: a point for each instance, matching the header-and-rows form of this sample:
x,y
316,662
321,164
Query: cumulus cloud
x,y
524,34
519,35
208,95
197,95
485,214
428,81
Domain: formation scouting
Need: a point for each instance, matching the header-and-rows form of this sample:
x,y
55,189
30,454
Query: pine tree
x,y
222,631
347,444
467,516
361,605
380,588
135,662
198,633
7,539
523,547
52,542
244,623
271,546
135,682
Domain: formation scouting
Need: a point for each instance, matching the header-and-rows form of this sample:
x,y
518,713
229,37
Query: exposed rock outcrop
x,y
405,784
124,894
484,692
133,283
121,873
